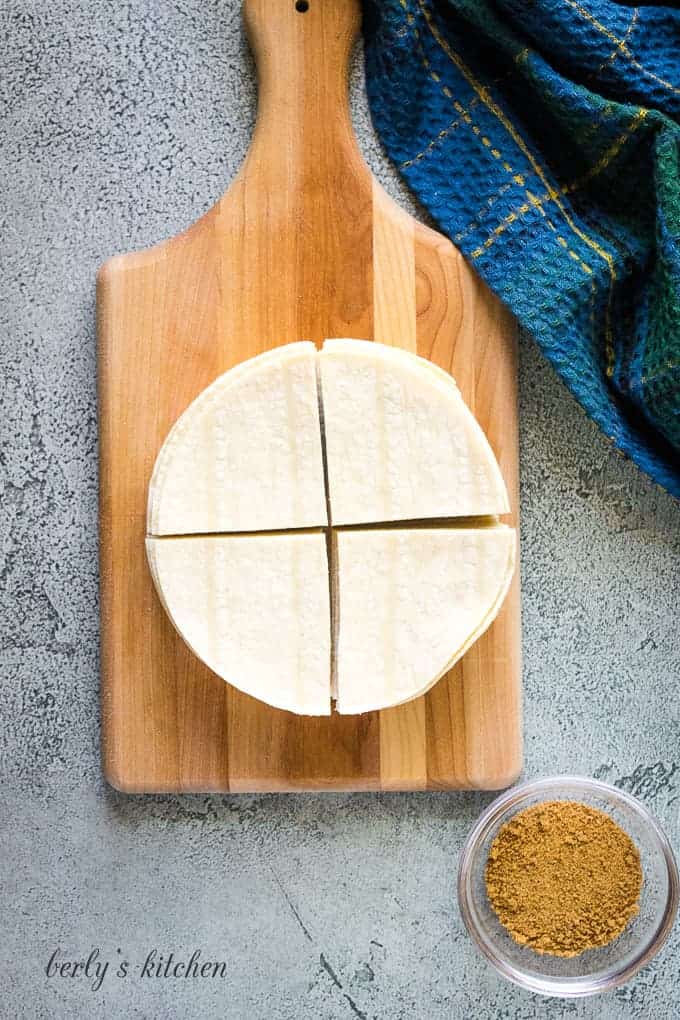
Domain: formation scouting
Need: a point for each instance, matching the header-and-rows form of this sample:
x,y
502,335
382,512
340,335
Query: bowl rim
x,y
568,987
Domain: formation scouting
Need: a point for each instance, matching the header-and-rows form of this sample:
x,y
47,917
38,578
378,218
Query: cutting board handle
x,y
302,50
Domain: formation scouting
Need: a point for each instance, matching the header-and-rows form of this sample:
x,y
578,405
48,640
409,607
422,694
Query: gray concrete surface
x,y
122,122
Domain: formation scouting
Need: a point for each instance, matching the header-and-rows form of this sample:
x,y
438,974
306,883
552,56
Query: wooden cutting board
x,y
304,245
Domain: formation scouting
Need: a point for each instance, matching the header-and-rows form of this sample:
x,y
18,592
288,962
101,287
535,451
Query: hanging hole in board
x,y
302,6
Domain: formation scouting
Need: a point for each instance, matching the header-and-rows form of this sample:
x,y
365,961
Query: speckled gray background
x,y
122,121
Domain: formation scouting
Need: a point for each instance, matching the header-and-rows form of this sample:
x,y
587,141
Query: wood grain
x,y
304,245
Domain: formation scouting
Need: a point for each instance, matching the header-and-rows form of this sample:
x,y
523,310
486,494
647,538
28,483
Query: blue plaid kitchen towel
x,y
544,138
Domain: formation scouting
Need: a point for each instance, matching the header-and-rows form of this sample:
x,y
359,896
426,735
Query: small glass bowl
x,y
596,970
